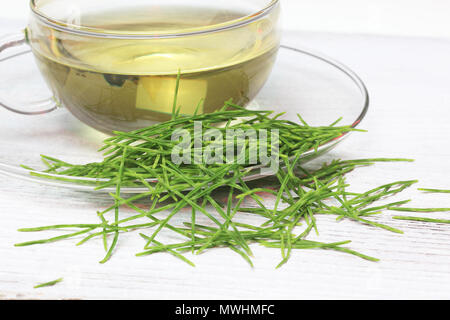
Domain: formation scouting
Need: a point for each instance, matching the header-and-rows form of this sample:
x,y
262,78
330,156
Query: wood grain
x,y
409,117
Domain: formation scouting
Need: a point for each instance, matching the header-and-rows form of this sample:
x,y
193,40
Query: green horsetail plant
x,y
189,189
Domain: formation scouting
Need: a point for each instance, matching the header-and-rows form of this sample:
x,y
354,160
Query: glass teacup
x,y
115,65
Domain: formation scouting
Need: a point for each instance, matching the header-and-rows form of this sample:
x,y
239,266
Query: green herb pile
x,y
143,158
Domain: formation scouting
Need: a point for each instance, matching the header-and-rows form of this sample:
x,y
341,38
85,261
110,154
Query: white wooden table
x,y
409,117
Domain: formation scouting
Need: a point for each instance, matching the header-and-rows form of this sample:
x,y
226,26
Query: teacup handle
x,y
20,41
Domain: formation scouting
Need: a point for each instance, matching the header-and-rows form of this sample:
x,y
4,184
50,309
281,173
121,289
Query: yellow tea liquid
x,y
124,84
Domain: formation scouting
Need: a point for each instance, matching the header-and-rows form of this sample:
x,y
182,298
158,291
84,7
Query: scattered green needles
x,y
142,158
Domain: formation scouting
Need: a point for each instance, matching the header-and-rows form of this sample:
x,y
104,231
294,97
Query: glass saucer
x,y
318,88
